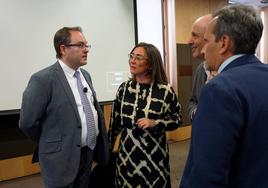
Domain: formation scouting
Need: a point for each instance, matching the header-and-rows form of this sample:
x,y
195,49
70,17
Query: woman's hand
x,y
145,123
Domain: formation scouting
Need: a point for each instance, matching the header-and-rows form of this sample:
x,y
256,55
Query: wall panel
x,y
188,10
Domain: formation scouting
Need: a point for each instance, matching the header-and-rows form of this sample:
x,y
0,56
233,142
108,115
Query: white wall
x,y
27,31
150,23
263,43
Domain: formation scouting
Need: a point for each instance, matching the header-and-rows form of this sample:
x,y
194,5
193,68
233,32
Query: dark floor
x,y
178,154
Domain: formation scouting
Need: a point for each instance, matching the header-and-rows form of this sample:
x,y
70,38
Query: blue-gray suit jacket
x,y
49,116
229,146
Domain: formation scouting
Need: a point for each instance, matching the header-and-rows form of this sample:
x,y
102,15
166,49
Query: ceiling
x,y
255,2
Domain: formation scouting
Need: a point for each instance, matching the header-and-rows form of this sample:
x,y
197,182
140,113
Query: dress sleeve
x,y
171,117
115,120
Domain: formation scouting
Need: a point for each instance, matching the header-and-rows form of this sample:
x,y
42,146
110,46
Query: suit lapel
x,y
96,104
90,85
67,89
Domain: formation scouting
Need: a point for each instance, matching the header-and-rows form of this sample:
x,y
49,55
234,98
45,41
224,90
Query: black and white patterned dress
x,y
143,159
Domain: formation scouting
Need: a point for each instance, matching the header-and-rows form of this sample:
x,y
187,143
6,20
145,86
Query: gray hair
x,y
242,23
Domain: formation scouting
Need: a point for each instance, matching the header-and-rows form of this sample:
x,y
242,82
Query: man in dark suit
x,y
54,115
229,147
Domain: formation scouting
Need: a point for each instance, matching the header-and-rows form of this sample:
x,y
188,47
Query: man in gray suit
x,y
53,115
196,43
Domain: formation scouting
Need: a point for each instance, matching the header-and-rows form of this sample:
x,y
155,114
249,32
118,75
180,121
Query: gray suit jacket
x,y
49,116
198,83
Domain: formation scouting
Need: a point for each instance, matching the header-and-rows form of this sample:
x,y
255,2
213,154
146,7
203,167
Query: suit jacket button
x,y
78,145
79,127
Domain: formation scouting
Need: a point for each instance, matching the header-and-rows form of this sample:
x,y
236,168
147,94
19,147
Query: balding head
x,y
197,35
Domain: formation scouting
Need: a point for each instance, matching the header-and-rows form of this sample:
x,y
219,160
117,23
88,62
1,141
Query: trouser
x,y
82,178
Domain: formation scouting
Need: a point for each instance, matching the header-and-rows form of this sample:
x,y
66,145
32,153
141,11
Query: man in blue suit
x,y
53,115
229,146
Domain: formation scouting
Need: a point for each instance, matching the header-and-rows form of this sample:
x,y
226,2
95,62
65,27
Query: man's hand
x,y
94,164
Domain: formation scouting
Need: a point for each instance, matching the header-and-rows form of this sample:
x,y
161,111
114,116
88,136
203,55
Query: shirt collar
x,y
69,71
228,61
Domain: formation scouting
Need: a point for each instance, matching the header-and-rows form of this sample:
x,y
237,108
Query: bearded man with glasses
x,y
60,112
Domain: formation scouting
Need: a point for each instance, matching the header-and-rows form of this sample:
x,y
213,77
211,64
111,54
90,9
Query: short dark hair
x,y
155,61
242,23
63,37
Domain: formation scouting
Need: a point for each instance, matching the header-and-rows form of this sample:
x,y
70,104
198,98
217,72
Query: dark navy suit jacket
x,y
229,146
49,116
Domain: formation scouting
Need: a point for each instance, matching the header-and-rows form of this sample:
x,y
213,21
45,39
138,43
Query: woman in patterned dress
x,y
144,109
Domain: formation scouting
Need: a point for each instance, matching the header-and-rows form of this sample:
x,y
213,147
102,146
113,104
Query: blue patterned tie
x,y
91,131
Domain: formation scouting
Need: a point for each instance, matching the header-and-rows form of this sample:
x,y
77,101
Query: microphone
x,y
85,89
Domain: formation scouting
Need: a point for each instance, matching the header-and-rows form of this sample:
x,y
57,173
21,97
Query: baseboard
x,y
22,166
17,167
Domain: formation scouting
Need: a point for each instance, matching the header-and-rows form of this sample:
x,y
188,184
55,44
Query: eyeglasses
x,y
80,45
133,57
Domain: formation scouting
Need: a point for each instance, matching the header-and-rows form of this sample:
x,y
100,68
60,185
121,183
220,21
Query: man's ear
x,y
226,44
62,50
